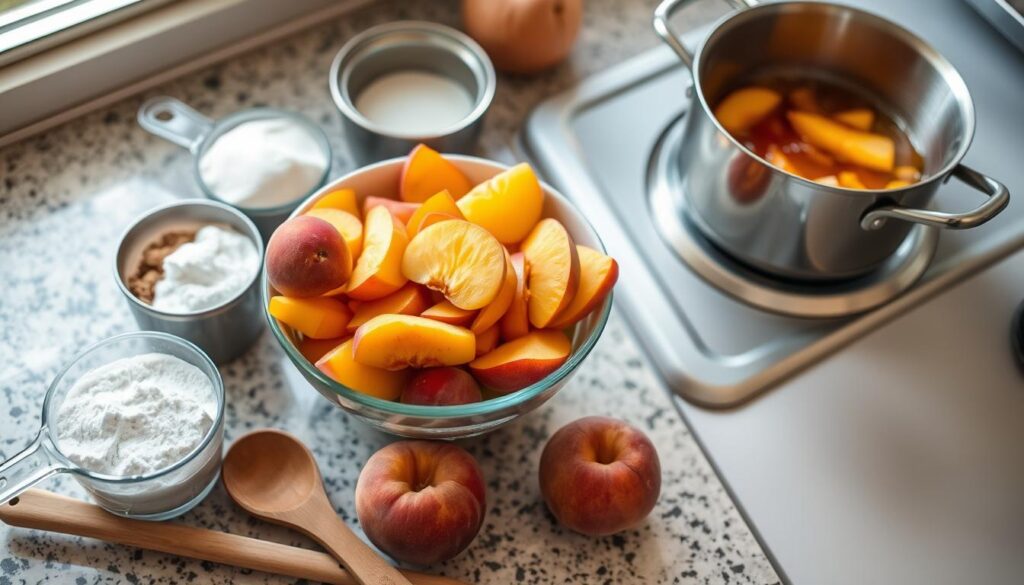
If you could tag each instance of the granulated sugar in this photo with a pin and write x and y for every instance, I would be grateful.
(136, 415)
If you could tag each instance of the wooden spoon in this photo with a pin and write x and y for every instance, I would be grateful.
(273, 476)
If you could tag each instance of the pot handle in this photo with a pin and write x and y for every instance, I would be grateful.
(998, 198)
(664, 12)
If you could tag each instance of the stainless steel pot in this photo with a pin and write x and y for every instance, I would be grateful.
(789, 226)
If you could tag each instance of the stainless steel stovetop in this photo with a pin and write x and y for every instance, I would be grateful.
(896, 460)
(598, 143)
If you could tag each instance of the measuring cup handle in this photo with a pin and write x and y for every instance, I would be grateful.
(34, 464)
(663, 27)
(175, 121)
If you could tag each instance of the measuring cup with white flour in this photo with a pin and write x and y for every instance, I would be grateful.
(263, 161)
(137, 419)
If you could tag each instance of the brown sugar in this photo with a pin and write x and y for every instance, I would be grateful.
(142, 283)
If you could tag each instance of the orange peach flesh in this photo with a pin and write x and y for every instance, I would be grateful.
(411, 299)
(873, 151)
(393, 342)
(516, 321)
(446, 312)
(488, 340)
(317, 317)
(341, 366)
(343, 199)
(440, 203)
(598, 274)
(378, 271)
(425, 172)
(459, 259)
(508, 205)
(314, 349)
(554, 271)
(746, 107)
(497, 308)
(521, 362)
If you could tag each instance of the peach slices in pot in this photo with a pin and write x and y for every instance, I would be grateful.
(470, 280)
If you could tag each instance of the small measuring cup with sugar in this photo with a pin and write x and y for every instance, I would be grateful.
(263, 161)
(158, 495)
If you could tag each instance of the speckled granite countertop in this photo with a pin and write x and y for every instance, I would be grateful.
(66, 195)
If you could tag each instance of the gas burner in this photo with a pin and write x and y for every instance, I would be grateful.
(669, 211)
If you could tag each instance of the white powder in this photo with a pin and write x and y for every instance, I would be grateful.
(209, 271)
(263, 163)
(136, 415)
(414, 102)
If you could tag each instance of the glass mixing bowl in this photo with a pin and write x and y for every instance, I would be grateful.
(446, 422)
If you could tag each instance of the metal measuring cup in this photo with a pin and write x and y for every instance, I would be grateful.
(176, 122)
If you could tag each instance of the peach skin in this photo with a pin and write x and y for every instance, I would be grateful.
(598, 274)
(393, 342)
(421, 502)
(307, 257)
(517, 364)
(317, 317)
(441, 387)
(600, 476)
(426, 172)
(446, 312)
(440, 203)
(508, 205)
(347, 224)
(460, 260)
(343, 199)
(378, 271)
(400, 209)
(340, 365)
(554, 271)
(516, 321)
(411, 299)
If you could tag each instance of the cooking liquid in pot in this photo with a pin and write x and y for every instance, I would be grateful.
(822, 132)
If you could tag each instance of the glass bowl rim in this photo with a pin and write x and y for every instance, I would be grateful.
(484, 407)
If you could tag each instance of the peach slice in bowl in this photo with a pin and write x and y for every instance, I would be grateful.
(381, 181)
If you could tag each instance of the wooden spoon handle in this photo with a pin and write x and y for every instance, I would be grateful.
(364, 564)
(45, 510)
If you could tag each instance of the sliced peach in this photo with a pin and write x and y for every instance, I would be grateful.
(873, 151)
(743, 108)
(348, 225)
(779, 159)
(460, 259)
(527, 360)
(426, 172)
(598, 274)
(897, 184)
(508, 205)
(314, 349)
(496, 309)
(850, 180)
(318, 317)
(857, 118)
(487, 341)
(830, 180)
(411, 299)
(340, 365)
(378, 271)
(554, 271)
(343, 199)
(393, 342)
(907, 173)
(400, 209)
(432, 218)
(442, 203)
(446, 312)
(516, 321)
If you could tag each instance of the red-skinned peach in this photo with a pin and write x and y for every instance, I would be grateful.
(307, 257)
(441, 387)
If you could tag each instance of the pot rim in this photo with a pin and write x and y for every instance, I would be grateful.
(947, 71)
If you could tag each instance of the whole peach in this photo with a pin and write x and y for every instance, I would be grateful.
(599, 475)
(421, 502)
(442, 386)
(307, 257)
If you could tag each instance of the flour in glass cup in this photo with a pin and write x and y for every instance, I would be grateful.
(136, 415)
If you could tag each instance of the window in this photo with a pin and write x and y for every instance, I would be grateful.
(29, 26)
